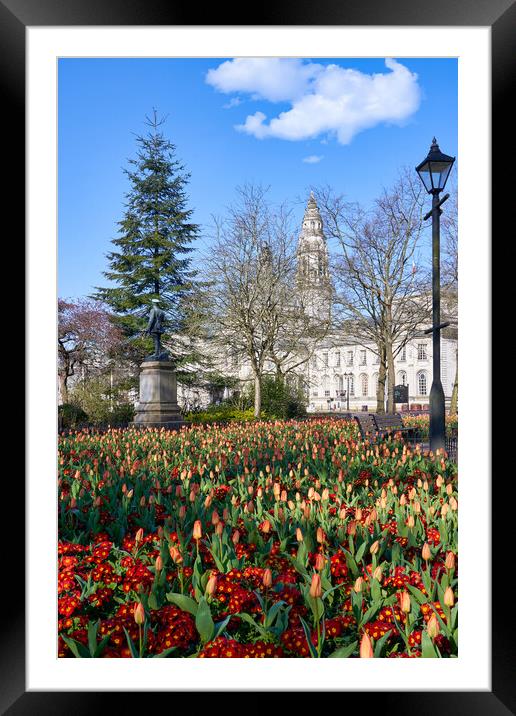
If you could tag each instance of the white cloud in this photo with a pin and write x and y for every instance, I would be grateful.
(313, 159)
(324, 99)
(271, 78)
(233, 102)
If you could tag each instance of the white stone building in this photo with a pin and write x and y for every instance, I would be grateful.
(338, 364)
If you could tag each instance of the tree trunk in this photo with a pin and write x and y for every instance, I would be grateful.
(390, 377)
(257, 395)
(380, 389)
(455, 392)
(63, 387)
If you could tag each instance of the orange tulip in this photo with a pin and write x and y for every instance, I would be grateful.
(433, 627)
(267, 578)
(197, 530)
(211, 585)
(426, 552)
(404, 601)
(319, 561)
(315, 587)
(139, 614)
(449, 598)
(366, 647)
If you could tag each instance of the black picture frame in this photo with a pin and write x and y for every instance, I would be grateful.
(15, 16)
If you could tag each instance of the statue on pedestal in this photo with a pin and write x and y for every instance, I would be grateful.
(155, 329)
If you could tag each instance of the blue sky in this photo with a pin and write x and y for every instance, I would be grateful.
(234, 122)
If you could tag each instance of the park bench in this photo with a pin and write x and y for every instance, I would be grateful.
(387, 424)
(366, 425)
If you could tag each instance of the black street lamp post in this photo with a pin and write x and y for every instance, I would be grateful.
(433, 172)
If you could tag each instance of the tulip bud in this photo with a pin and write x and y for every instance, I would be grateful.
(449, 599)
(139, 536)
(320, 535)
(175, 554)
(404, 601)
(211, 585)
(357, 587)
(352, 528)
(159, 563)
(450, 561)
(319, 561)
(215, 519)
(235, 537)
(219, 529)
(453, 503)
(373, 549)
(433, 627)
(378, 574)
(425, 552)
(366, 647)
(139, 614)
(267, 578)
(410, 521)
(299, 535)
(358, 514)
(266, 527)
(315, 587)
(197, 530)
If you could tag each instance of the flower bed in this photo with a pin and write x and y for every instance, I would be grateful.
(422, 423)
(264, 539)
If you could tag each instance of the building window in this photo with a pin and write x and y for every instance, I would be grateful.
(375, 383)
(363, 357)
(403, 354)
(364, 385)
(421, 383)
(421, 351)
(315, 393)
(337, 359)
(349, 359)
(325, 358)
(402, 378)
(314, 362)
(376, 360)
(326, 393)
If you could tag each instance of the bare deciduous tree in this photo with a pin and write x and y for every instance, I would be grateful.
(86, 336)
(382, 287)
(253, 303)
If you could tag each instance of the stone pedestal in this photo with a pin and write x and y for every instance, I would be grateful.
(158, 406)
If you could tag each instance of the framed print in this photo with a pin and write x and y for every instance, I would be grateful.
(264, 97)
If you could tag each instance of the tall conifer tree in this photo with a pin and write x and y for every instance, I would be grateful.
(155, 235)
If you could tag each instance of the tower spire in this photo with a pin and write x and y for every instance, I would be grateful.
(314, 284)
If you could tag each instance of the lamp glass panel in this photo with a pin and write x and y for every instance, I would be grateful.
(440, 171)
(424, 173)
